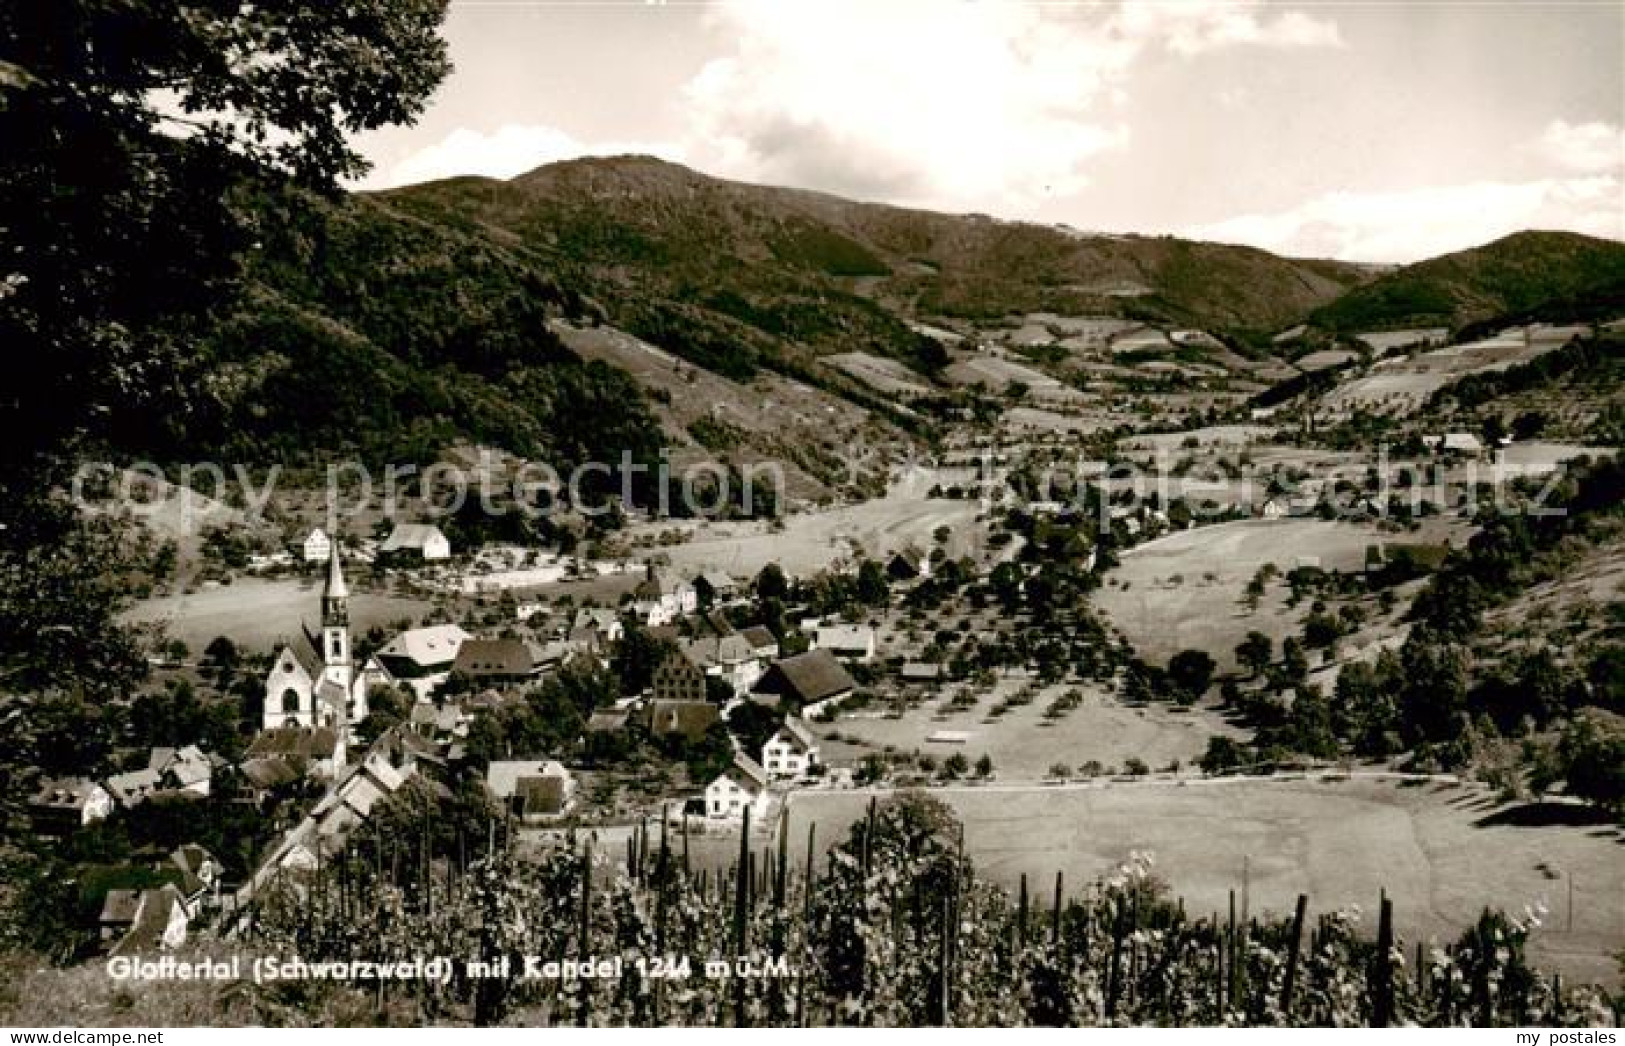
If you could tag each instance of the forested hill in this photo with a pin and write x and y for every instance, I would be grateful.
(1516, 274)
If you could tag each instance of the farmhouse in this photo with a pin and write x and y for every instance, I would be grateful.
(791, 752)
(422, 658)
(498, 660)
(423, 540)
(806, 679)
(532, 789)
(847, 642)
(740, 788)
(318, 546)
(689, 719)
(66, 803)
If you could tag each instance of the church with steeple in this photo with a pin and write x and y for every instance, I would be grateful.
(314, 682)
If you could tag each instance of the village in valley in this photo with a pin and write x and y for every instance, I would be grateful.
(1112, 626)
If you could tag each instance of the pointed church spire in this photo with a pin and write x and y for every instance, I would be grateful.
(336, 589)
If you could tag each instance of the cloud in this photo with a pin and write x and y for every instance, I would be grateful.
(1412, 224)
(510, 150)
(1194, 27)
(985, 106)
(1586, 147)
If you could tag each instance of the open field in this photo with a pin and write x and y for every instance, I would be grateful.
(885, 376)
(998, 373)
(1404, 383)
(812, 541)
(257, 614)
(1185, 590)
(1213, 436)
(1442, 851)
(1024, 745)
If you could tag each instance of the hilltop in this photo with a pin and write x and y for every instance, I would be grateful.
(1512, 275)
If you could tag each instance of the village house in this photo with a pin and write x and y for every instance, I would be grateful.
(921, 673)
(729, 658)
(763, 644)
(134, 787)
(688, 719)
(716, 589)
(604, 622)
(352, 799)
(791, 752)
(498, 660)
(847, 642)
(65, 804)
(422, 658)
(262, 776)
(185, 769)
(741, 787)
(532, 790)
(157, 920)
(311, 751)
(424, 541)
(660, 599)
(318, 547)
(813, 678)
(199, 876)
(432, 720)
(677, 678)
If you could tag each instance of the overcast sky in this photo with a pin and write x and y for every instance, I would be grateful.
(1374, 131)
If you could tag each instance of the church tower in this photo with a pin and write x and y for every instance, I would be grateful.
(336, 626)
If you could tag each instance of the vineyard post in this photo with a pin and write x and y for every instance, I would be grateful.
(1021, 914)
(1292, 955)
(1055, 918)
(1383, 989)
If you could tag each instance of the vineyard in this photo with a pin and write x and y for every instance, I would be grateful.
(892, 928)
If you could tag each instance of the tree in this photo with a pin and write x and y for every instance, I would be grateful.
(1190, 671)
(139, 138)
(984, 766)
(771, 583)
(873, 586)
(1592, 755)
(1255, 652)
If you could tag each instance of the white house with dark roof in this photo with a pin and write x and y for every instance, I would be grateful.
(532, 789)
(742, 786)
(425, 540)
(791, 752)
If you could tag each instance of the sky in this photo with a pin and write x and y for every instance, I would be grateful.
(1376, 131)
